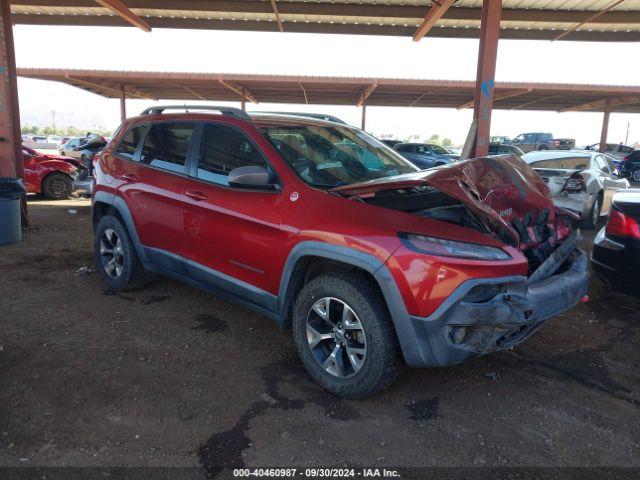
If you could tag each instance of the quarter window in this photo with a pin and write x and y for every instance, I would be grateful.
(166, 146)
(224, 148)
(127, 146)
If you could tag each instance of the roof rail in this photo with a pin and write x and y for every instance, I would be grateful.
(231, 111)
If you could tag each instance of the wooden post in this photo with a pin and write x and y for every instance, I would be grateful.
(10, 140)
(605, 125)
(487, 55)
(123, 105)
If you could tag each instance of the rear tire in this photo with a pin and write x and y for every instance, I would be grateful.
(591, 220)
(116, 256)
(368, 350)
(57, 186)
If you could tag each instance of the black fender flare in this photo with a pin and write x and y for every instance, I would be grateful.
(380, 273)
(121, 207)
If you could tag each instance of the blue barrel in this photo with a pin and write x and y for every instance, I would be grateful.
(12, 192)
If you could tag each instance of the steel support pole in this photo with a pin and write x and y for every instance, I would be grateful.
(10, 141)
(123, 104)
(243, 102)
(363, 122)
(605, 125)
(487, 55)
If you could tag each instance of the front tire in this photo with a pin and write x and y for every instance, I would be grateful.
(116, 256)
(57, 186)
(635, 175)
(344, 335)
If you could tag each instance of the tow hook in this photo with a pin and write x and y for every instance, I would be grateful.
(584, 299)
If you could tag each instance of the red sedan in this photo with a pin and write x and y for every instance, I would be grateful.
(50, 175)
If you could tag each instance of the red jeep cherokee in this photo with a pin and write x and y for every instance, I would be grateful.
(324, 229)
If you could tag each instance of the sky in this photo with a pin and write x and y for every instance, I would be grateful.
(112, 48)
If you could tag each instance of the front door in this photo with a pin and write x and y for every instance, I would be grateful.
(233, 235)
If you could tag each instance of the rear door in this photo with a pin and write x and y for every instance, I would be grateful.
(151, 174)
(233, 234)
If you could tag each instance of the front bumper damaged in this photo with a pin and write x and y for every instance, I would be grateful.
(488, 315)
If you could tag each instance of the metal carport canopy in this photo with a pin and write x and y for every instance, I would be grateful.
(600, 20)
(341, 90)
(487, 20)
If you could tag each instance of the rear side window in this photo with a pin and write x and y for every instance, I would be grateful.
(567, 163)
(224, 148)
(166, 145)
(127, 146)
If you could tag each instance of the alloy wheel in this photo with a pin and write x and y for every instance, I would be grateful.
(636, 175)
(111, 253)
(336, 337)
(58, 186)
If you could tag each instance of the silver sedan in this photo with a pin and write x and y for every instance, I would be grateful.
(582, 181)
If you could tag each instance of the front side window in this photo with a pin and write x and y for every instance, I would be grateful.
(166, 145)
(566, 163)
(328, 156)
(127, 146)
(224, 148)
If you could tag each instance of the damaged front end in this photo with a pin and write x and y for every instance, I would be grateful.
(505, 199)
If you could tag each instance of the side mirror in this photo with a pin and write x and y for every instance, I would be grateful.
(251, 177)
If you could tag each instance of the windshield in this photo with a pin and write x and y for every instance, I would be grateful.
(439, 150)
(328, 156)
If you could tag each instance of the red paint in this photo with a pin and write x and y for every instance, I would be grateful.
(249, 234)
(38, 165)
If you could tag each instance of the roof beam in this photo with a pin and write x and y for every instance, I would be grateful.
(600, 104)
(120, 9)
(134, 92)
(526, 104)
(243, 92)
(589, 19)
(499, 96)
(191, 91)
(435, 13)
(274, 7)
(365, 94)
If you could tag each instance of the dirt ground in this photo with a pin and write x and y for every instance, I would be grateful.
(172, 376)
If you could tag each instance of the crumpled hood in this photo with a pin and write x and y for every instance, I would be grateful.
(502, 191)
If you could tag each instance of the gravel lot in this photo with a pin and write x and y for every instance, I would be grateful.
(172, 376)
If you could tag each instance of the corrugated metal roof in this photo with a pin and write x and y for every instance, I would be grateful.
(341, 90)
(528, 19)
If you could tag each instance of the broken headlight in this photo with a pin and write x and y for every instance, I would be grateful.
(451, 248)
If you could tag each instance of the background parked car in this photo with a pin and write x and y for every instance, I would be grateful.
(424, 155)
(616, 150)
(580, 181)
(67, 148)
(50, 175)
(629, 166)
(529, 142)
(454, 151)
(504, 149)
(616, 250)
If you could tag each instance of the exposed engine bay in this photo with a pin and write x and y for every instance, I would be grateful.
(502, 197)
